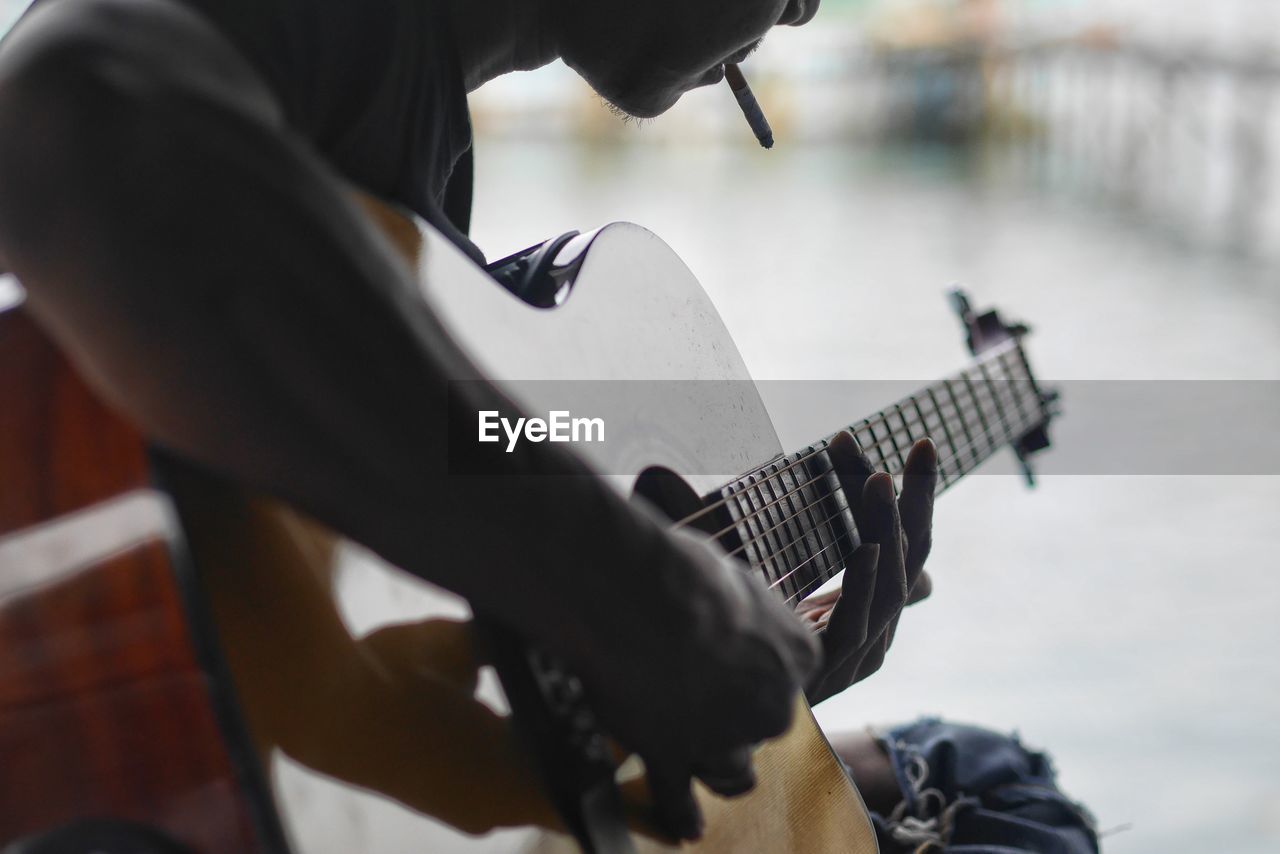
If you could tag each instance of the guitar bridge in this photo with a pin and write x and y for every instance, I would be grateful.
(552, 716)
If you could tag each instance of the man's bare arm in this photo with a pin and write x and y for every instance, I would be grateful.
(221, 287)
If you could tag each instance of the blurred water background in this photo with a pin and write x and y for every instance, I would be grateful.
(1104, 169)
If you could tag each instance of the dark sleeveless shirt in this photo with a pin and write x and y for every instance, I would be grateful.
(375, 86)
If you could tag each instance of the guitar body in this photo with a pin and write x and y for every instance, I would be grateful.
(634, 313)
(366, 709)
(117, 721)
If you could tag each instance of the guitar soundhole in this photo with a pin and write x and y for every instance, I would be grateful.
(674, 497)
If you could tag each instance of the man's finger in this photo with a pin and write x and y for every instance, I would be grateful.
(852, 469)
(846, 632)
(849, 624)
(675, 811)
(884, 527)
(731, 774)
(915, 506)
(816, 619)
(817, 608)
(922, 590)
(874, 659)
(841, 677)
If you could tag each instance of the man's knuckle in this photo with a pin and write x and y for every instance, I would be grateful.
(776, 716)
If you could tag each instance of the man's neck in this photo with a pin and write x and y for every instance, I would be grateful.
(498, 36)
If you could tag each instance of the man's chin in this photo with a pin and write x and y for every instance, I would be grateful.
(640, 107)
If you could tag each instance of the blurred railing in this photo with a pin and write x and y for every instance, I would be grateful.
(1189, 138)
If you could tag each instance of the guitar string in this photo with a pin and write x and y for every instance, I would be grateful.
(772, 554)
(818, 581)
(800, 595)
(986, 439)
(986, 442)
(765, 507)
(963, 408)
(882, 418)
(803, 593)
(878, 448)
(794, 544)
(793, 517)
(796, 541)
(989, 442)
(816, 555)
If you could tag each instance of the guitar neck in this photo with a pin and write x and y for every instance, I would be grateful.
(790, 519)
(970, 416)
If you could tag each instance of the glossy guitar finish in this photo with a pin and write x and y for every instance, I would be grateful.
(110, 706)
(634, 312)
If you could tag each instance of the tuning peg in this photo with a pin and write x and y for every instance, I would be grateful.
(1036, 439)
(986, 330)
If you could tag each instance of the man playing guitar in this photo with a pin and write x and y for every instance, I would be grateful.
(180, 181)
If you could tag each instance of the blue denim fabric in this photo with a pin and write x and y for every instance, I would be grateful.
(968, 790)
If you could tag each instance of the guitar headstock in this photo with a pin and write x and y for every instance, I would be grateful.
(987, 330)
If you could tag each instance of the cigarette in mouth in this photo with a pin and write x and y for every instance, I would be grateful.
(750, 106)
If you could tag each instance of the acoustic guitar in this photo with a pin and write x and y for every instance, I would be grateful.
(187, 666)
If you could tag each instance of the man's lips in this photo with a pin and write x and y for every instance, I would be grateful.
(711, 78)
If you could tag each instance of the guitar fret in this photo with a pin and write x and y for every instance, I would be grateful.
(1013, 395)
(920, 419)
(977, 410)
(1003, 397)
(795, 532)
(994, 394)
(964, 423)
(863, 435)
(878, 432)
(827, 563)
(788, 482)
(764, 561)
(754, 524)
(808, 533)
(1041, 407)
(783, 535)
(890, 451)
(811, 529)
(906, 425)
(944, 471)
(926, 427)
(1020, 390)
(789, 523)
(1017, 395)
(971, 417)
(1013, 369)
(841, 521)
(988, 412)
(769, 539)
(908, 438)
(969, 458)
(772, 535)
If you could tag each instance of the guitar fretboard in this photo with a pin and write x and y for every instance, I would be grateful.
(790, 521)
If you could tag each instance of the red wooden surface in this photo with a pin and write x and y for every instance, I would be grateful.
(60, 449)
(105, 710)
